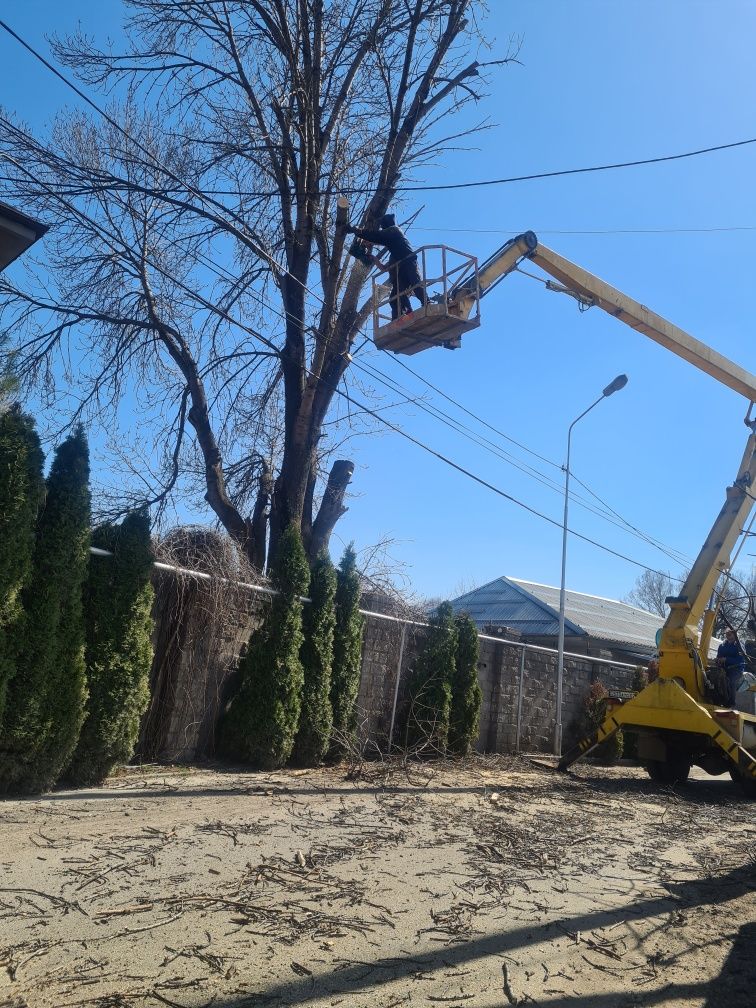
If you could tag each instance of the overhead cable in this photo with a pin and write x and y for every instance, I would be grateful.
(337, 391)
(201, 195)
(442, 187)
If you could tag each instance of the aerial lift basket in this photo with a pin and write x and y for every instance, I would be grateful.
(443, 319)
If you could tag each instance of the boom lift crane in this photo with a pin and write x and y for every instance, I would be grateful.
(677, 717)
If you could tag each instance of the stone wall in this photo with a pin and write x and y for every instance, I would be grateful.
(196, 656)
(199, 635)
(382, 648)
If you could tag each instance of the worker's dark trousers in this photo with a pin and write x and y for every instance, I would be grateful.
(405, 277)
(732, 678)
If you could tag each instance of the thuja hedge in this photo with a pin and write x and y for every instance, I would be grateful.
(466, 694)
(442, 713)
(260, 723)
(319, 620)
(22, 489)
(118, 604)
(347, 650)
(429, 708)
(45, 698)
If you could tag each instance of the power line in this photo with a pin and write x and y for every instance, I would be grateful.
(445, 418)
(636, 531)
(675, 555)
(469, 413)
(81, 94)
(458, 427)
(590, 231)
(497, 490)
(534, 176)
(437, 414)
(275, 265)
(200, 195)
(534, 473)
(361, 190)
(337, 391)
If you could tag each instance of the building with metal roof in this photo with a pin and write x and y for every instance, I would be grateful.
(593, 625)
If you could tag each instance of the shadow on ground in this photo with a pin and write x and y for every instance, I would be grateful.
(735, 987)
(711, 791)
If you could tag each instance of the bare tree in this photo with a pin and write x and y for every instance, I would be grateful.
(197, 272)
(650, 592)
(734, 595)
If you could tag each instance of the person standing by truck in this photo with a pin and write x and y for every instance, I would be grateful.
(731, 658)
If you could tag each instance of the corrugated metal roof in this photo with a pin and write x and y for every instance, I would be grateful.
(504, 603)
(533, 609)
(601, 617)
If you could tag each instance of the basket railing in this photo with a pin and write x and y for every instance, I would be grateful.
(440, 268)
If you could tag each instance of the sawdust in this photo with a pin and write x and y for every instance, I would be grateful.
(493, 883)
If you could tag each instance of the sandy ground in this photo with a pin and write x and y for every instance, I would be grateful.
(496, 884)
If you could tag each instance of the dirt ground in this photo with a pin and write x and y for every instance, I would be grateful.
(500, 883)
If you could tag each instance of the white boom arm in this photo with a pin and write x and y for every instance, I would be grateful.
(681, 627)
(590, 290)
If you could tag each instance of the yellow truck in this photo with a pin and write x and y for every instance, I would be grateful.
(679, 718)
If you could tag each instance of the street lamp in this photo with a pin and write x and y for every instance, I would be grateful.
(619, 382)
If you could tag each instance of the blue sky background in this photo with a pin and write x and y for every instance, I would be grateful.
(599, 82)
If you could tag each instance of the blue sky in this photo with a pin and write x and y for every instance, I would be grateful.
(599, 82)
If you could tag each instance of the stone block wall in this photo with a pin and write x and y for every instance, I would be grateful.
(382, 648)
(196, 657)
(199, 636)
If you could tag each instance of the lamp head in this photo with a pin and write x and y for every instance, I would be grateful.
(619, 382)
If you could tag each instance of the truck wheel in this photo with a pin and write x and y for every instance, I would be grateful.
(671, 771)
(747, 784)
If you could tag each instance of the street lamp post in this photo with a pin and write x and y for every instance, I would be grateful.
(619, 382)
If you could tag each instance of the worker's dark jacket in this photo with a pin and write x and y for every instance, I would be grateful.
(391, 238)
(734, 658)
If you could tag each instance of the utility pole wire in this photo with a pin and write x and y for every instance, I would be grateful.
(558, 173)
(89, 101)
(258, 335)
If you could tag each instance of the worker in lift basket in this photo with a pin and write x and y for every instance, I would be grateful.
(731, 658)
(402, 263)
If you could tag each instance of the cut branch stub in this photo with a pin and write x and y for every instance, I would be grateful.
(331, 507)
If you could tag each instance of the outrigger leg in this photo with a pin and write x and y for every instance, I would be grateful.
(608, 727)
(664, 706)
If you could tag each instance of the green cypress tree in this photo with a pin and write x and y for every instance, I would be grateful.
(22, 489)
(8, 381)
(588, 720)
(466, 694)
(260, 723)
(319, 621)
(430, 689)
(118, 607)
(45, 701)
(347, 647)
